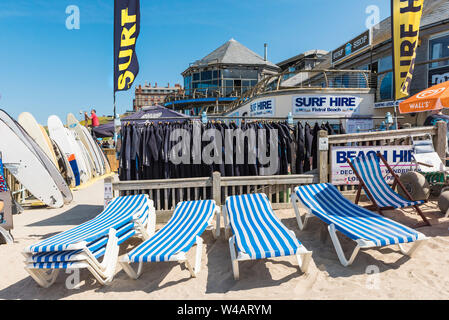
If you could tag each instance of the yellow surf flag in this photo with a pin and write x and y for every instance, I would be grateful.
(406, 19)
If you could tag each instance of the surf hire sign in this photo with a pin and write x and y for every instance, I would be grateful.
(126, 32)
(406, 19)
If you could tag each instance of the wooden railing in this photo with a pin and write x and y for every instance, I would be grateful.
(167, 193)
(382, 138)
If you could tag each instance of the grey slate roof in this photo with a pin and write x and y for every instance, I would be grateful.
(233, 52)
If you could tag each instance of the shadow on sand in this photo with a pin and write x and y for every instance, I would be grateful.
(74, 216)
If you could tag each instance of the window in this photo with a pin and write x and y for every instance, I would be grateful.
(439, 48)
(385, 81)
(196, 77)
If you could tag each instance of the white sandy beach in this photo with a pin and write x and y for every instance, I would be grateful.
(424, 276)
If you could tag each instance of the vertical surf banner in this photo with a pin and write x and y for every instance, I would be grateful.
(405, 22)
(126, 32)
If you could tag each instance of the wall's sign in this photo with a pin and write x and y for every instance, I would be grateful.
(323, 105)
(356, 44)
(437, 76)
(262, 107)
(398, 157)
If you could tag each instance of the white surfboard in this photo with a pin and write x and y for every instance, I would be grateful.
(81, 150)
(66, 143)
(99, 151)
(64, 164)
(26, 167)
(40, 154)
(73, 124)
(29, 123)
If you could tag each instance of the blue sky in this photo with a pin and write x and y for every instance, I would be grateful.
(47, 69)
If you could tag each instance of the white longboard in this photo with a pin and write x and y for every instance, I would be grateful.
(26, 167)
(81, 150)
(64, 164)
(29, 123)
(40, 154)
(73, 124)
(65, 142)
(100, 152)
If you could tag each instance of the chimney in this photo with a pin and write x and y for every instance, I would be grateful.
(266, 51)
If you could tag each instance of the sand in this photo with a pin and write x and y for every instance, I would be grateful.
(375, 274)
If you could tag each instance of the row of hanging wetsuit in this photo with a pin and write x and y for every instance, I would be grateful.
(147, 150)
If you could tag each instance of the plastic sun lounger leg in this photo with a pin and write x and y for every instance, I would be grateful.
(338, 248)
(43, 278)
(303, 256)
(126, 265)
(410, 252)
(296, 202)
(235, 263)
(6, 235)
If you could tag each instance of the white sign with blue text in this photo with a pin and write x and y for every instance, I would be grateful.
(325, 105)
(398, 157)
(262, 107)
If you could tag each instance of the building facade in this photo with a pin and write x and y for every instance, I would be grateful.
(221, 77)
(148, 95)
(372, 51)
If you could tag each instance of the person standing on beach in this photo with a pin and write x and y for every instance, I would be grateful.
(93, 117)
(435, 116)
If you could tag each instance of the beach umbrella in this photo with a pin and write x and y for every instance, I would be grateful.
(434, 98)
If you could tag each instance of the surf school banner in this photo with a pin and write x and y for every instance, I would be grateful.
(398, 157)
(406, 20)
(126, 32)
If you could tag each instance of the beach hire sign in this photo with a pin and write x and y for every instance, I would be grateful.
(400, 159)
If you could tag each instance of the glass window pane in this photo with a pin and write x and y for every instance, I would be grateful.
(196, 77)
(439, 48)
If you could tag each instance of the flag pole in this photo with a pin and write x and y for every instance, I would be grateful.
(114, 117)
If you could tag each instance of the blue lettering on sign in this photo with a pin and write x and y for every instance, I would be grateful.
(262, 106)
(310, 101)
(343, 156)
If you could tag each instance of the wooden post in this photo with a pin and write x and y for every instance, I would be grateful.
(323, 156)
(216, 187)
(441, 139)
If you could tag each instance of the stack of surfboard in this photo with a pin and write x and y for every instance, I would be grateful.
(47, 166)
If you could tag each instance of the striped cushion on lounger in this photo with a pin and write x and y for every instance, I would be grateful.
(64, 259)
(97, 248)
(119, 212)
(189, 220)
(258, 232)
(370, 172)
(328, 204)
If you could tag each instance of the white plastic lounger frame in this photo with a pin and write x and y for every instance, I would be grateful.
(190, 219)
(364, 227)
(142, 226)
(258, 233)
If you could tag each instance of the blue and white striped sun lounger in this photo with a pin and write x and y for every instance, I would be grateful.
(368, 171)
(368, 168)
(365, 227)
(82, 246)
(190, 219)
(258, 233)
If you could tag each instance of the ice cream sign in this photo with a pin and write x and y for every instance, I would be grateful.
(325, 105)
(262, 107)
